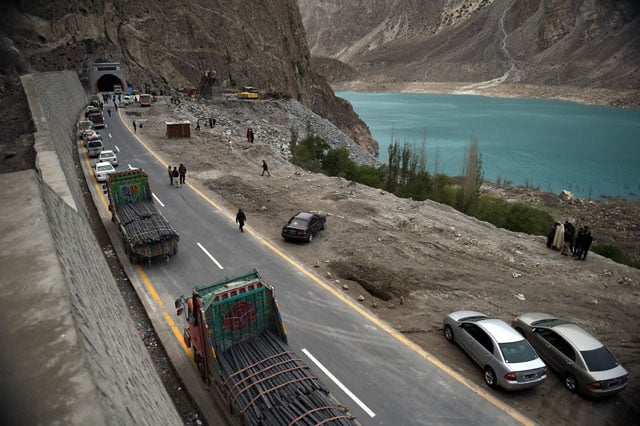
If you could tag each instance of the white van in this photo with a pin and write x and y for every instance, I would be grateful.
(94, 147)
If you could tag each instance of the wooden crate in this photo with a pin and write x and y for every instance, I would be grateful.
(178, 129)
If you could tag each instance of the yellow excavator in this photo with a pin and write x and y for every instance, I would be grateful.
(248, 92)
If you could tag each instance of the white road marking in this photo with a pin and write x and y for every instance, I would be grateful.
(340, 385)
(210, 256)
(110, 135)
(116, 148)
(154, 196)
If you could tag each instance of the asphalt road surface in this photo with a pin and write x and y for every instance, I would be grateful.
(380, 375)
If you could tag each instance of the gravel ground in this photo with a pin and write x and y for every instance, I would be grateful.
(410, 262)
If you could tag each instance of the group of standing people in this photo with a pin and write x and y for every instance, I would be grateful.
(177, 175)
(563, 237)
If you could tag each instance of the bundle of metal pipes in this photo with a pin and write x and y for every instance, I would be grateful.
(144, 224)
(271, 386)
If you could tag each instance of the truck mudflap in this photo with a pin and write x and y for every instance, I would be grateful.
(269, 384)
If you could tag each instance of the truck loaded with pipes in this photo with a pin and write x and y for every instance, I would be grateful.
(240, 348)
(146, 233)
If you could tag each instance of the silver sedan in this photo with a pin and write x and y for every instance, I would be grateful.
(506, 359)
(584, 364)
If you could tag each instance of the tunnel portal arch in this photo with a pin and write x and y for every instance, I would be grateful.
(105, 75)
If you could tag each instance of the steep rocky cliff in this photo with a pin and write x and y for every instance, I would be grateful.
(169, 44)
(552, 42)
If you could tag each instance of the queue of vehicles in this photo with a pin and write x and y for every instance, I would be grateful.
(242, 309)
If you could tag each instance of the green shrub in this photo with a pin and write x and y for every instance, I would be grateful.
(374, 177)
(523, 218)
(337, 163)
(309, 153)
(516, 217)
(616, 254)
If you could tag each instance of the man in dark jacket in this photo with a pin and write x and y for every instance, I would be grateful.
(183, 173)
(176, 175)
(587, 239)
(241, 219)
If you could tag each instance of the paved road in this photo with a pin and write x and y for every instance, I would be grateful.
(382, 377)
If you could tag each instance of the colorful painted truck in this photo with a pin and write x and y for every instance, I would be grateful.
(240, 348)
(146, 233)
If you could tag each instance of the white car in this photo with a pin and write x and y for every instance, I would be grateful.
(507, 360)
(128, 99)
(108, 155)
(102, 170)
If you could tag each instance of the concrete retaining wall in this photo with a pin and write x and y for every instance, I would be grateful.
(70, 351)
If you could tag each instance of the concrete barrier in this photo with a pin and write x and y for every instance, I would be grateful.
(70, 351)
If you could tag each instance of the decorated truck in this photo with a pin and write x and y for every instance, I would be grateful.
(240, 348)
(146, 233)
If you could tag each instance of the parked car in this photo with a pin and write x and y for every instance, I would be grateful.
(303, 226)
(90, 135)
(128, 99)
(108, 155)
(102, 170)
(94, 147)
(585, 365)
(82, 126)
(505, 357)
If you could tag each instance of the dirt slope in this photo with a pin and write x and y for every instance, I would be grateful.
(414, 262)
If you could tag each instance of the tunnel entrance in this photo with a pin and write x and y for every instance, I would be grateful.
(105, 75)
(106, 83)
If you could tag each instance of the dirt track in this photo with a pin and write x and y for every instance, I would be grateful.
(414, 262)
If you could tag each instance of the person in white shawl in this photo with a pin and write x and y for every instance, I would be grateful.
(558, 239)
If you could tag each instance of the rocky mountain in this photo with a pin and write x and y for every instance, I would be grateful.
(582, 43)
(170, 44)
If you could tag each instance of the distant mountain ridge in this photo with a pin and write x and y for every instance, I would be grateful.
(548, 42)
(170, 44)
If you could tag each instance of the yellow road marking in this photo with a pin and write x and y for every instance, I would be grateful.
(149, 286)
(398, 336)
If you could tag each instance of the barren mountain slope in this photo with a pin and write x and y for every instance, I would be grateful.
(170, 44)
(554, 42)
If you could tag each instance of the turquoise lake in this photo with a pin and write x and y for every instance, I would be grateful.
(592, 151)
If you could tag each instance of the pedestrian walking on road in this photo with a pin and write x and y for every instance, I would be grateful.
(170, 176)
(109, 111)
(116, 105)
(134, 126)
(176, 176)
(230, 143)
(265, 168)
(241, 219)
(198, 125)
(250, 135)
(183, 173)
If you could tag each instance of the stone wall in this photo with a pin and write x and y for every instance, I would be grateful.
(62, 99)
(71, 353)
(129, 389)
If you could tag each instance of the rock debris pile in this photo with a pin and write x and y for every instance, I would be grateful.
(272, 123)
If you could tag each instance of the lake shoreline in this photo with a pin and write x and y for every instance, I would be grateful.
(627, 99)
